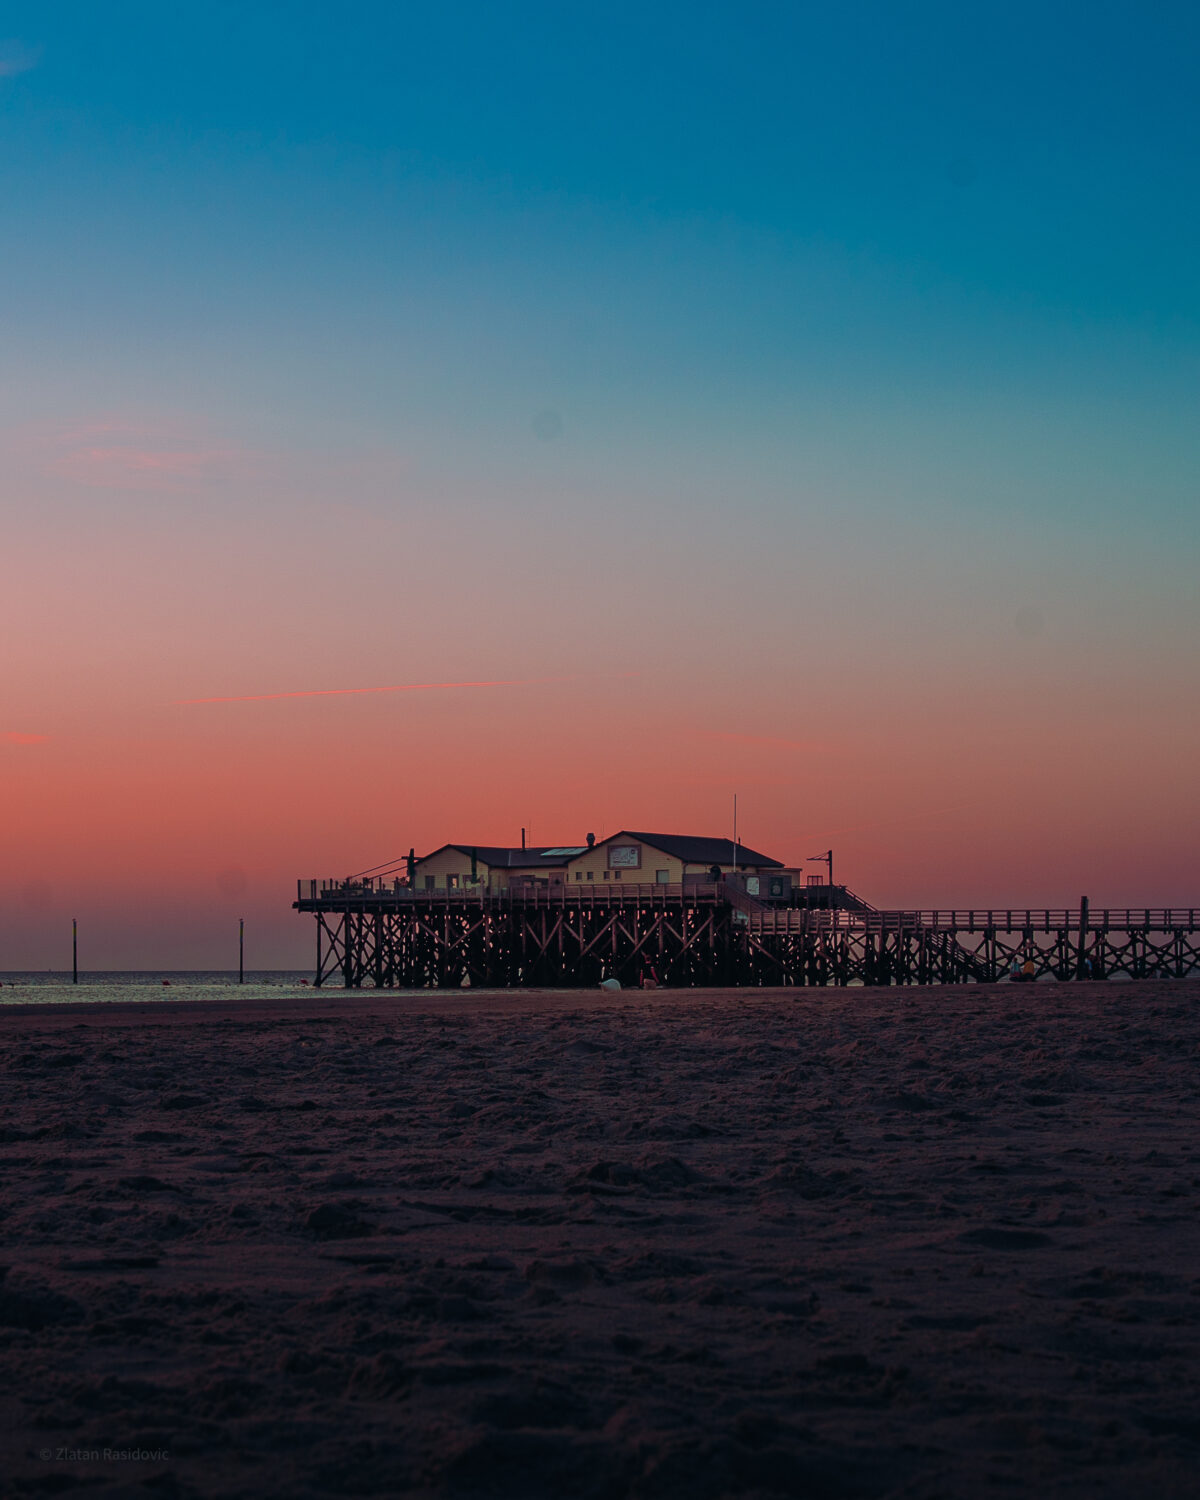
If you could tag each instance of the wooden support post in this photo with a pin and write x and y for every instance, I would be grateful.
(348, 947)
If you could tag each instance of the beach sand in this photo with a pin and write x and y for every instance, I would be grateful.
(921, 1242)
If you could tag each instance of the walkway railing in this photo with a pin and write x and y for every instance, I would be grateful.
(762, 916)
(358, 892)
(1030, 919)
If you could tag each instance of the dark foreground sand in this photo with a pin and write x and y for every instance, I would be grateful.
(905, 1243)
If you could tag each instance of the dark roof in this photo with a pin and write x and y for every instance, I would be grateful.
(698, 851)
(544, 857)
(694, 851)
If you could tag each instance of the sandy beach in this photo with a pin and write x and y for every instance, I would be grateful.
(921, 1243)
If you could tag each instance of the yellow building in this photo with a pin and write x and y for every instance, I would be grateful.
(665, 859)
(624, 858)
(491, 868)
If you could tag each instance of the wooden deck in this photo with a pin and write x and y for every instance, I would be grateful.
(712, 933)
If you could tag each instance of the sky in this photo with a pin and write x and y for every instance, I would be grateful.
(660, 403)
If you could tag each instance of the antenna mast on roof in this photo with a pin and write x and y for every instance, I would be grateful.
(735, 858)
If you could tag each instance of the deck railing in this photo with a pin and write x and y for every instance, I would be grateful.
(354, 892)
(763, 916)
(1029, 919)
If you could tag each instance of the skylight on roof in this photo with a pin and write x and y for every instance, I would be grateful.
(576, 849)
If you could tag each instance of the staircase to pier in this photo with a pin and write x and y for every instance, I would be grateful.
(765, 919)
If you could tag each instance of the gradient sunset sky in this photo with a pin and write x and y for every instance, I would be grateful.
(791, 400)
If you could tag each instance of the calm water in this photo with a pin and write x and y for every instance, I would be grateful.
(47, 988)
(147, 985)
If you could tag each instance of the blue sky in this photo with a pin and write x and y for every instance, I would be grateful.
(1024, 161)
(933, 255)
(701, 214)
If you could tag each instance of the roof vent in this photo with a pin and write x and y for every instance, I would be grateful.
(591, 838)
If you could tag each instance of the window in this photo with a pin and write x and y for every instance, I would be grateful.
(579, 874)
(616, 874)
(662, 876)
(430, 882)
(591, 874)
(452, 882)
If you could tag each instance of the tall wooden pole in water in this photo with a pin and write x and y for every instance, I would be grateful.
(241, 950)
(74, 951)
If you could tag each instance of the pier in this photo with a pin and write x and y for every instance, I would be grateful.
(386, 935)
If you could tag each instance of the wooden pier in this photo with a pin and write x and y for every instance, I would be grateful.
(711, 934)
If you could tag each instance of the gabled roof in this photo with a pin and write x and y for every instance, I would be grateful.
(690, 849)
(497, 857)
(699, 851)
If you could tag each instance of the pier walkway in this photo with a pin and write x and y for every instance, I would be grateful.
(706, 933)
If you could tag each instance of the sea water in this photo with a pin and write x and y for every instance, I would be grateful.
(51, 988)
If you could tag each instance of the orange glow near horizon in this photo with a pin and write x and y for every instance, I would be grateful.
(160, 832)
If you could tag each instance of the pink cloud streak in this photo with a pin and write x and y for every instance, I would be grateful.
(125, 465)
(401, 687)
(111, 451)
(18, 737)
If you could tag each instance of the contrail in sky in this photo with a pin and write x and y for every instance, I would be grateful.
(399, 687)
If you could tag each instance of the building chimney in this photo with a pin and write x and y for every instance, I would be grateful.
(591, 840)
(522, 838)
